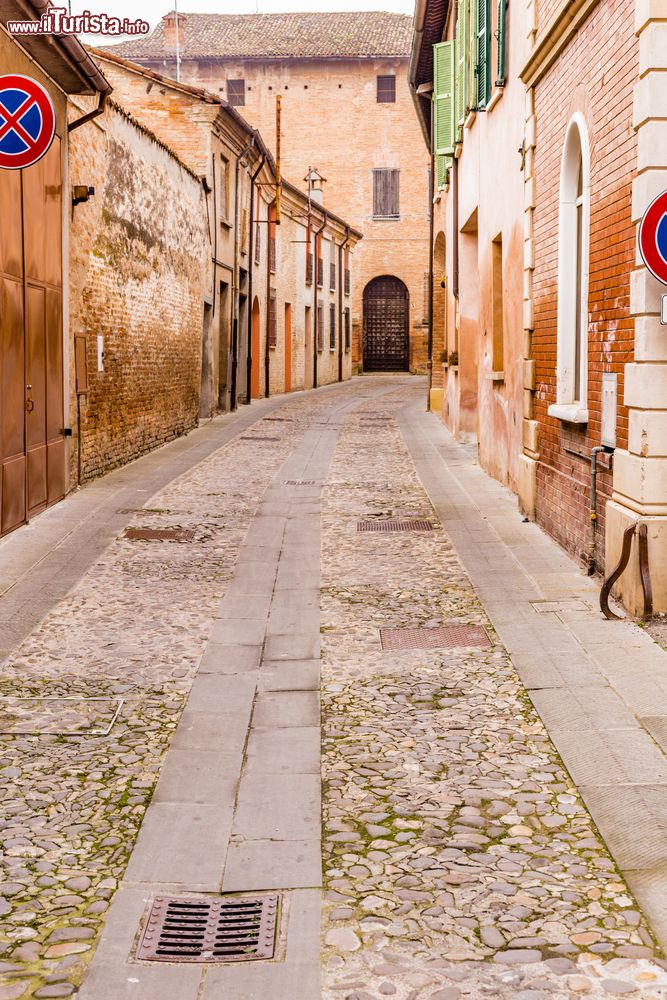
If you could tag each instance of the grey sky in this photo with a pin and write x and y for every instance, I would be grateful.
(152, 10)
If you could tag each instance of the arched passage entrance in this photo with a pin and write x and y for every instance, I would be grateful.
(254, 381)
(386, 325)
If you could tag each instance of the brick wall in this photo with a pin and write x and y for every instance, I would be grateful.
(137, 272)
(603, 60)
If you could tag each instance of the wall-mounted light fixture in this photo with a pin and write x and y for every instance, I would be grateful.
(80, 193)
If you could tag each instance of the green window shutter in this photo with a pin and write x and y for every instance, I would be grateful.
(483, 45)
(442, 167)
(502, 43)
(443, 96)
(461, 76)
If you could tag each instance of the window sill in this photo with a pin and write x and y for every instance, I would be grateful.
(468, 123)
(569, 413)
(495, 97)
(495, 376)
(386, 218)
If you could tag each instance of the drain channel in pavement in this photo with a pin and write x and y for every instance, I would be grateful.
(393, 525)
(203, 929)
(159, 534)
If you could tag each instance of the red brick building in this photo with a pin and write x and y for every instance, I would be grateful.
(346, 111)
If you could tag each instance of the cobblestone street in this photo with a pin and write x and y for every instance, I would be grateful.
(443, 833)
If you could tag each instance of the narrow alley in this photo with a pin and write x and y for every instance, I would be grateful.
(300, 654)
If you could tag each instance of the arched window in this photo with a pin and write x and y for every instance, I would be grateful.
(573, 256)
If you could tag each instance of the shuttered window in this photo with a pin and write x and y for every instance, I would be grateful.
(442, 167)
(332, 327)
(236, 93)
(258, 243)
(482, 52)
(386, 90)
(320, 327)
(443, 97)
(502, 43)
(462, 44)
(386, 194)
(346, 317)
(273, 319)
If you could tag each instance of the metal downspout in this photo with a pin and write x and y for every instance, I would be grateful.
(251, 252)
(593, 508)
(431, 224)
(316, 272)
(236, 282)
(99, 110)
(341, 282)
(267, 347)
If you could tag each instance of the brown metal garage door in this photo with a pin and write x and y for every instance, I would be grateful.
(32, 443)
(386, 319)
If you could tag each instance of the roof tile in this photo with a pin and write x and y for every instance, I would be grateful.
(281, 36)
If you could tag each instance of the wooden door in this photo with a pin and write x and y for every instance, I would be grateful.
(255, 351)
(31, 382)
(308, 350)
(288, 347)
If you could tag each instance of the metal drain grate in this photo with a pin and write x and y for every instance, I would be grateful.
(300, 482)
(197, 929)
(159, 534)
(443, 637)
(394, 525)
(258, 437)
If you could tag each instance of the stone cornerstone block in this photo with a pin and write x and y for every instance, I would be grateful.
(646, 386)
(640, 483)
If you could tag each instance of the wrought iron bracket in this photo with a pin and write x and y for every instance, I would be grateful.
(626, 551)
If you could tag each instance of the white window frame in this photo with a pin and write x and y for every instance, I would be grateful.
(571, 399)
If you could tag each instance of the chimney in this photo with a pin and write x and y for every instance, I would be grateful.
(315, 183)
(173, 23)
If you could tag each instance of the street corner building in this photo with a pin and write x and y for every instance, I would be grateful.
(155, 269)
(347, 115)
(548, 146)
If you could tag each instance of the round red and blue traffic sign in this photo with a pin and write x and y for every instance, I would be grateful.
(27, 121)
(653, 238)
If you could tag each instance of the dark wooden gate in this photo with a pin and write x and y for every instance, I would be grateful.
(386, 325)
(32, 443)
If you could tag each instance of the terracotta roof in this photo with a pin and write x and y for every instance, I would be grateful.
(358, 34)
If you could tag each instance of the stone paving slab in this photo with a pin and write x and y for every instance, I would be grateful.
(295, 750)
(183, 843)
(287, 708)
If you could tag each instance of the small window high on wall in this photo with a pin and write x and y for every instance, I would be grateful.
(236, 93)
(573, 263)
(386, 90)
(386, 194)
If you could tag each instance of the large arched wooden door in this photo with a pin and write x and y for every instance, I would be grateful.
(386, 325)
